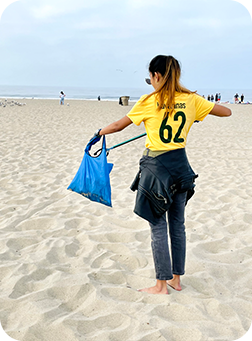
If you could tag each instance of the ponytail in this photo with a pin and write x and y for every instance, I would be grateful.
(170, 70)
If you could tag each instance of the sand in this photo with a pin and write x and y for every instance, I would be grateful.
(70, 268)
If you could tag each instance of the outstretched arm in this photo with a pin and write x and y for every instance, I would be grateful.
(116, 126)
(221, 111)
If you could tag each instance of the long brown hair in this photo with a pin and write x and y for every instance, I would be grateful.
(170, 70)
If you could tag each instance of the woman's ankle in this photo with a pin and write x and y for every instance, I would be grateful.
(175, 283)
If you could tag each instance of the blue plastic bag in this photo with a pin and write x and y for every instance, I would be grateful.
(92, 178)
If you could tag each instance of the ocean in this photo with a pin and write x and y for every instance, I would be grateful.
(112, 94)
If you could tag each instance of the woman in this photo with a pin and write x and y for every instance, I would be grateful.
(166, 181)
(62, 96)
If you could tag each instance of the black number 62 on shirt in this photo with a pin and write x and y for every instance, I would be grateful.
(164, 126)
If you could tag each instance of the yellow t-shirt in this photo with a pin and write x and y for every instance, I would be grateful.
(170, 132)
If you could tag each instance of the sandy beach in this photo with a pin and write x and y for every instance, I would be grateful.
(70, 268)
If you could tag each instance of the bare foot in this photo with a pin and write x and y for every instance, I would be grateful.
(175, 283)
(159, 288)
(154, 290)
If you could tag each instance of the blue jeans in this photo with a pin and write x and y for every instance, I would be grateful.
(159, 240)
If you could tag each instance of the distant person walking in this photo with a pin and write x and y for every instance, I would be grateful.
(242, 98)
(208, 97)
(219, 97)
(99, 98)
(212, 98)
(236, 96)
(62, 97)
(216, 97)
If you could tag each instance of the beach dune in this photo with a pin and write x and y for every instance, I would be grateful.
(70, 268)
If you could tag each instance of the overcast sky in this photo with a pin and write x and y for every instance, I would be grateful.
(110, 42)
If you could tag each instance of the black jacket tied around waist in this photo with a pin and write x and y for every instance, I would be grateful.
(158, 179)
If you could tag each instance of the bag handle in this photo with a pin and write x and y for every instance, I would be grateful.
(93, 141)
